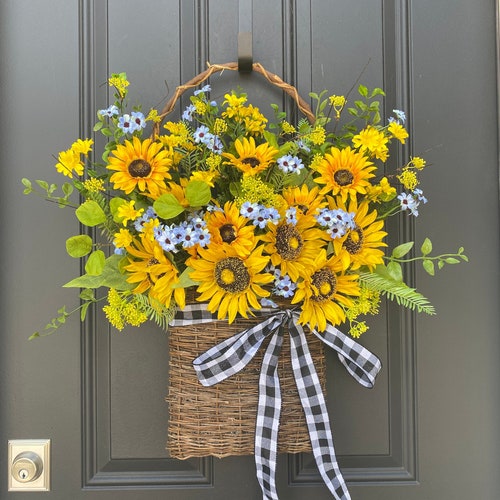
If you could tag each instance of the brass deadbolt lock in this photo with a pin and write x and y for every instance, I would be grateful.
(27, 467)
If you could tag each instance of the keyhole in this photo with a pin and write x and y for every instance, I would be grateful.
(23, 474)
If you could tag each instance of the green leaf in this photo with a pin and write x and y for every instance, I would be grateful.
(79, 246)
(98, 126)
(402, 250)
(27, 184)
(95, 263)
(429, 266)
(43, 184)
(67, 189)
(85, 281)
(184, 280)
(112, 275)
(395, 271)
(167, 206)
(426, 247)
(451, 260)
(271, 139)
(363, 90)
(198, 193)
(90, 213)
(87, 294)
(114, 205)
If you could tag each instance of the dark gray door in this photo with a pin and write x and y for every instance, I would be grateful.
(429, 429)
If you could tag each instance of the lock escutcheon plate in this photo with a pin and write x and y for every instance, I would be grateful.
(29, 465)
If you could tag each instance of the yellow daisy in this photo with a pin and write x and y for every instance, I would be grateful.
(345, 172)
(251, 159)
(364, 242)
(293, 246)
(152, 271)
(142, 165)
(325, 292)
(230, 227)
(230, 283)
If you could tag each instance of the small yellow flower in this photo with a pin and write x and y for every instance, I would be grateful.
(213, 161)
(418, 163)
(200, 106)
(220, 126)
(337, 102)
(317, 136)
(123, 238)
(93, 185)
(127, 212)
(234, 100)
(82, 147)
(205, 176)
(372, 140)
(398, 132)
(381, 192)
(153, 116)
(287, 128)
(408, 178)
(120, 83)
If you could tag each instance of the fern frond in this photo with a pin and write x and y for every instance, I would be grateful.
(398, 291)
(156, 311)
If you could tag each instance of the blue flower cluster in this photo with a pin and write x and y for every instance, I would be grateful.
(290, 164)
(283, 285)
(260, 215)
(411, 201)
(337, 221)
(211, 141)
(128, 123)
(189, 233)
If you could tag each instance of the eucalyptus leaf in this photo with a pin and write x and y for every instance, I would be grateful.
(79, 246)
(167, 206)
(402, 250)
(90, 213)
(198, 193)
(95, 263)
(429, 266)
(395, 271)
(426, 247)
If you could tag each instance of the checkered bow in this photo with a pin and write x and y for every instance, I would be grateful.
(233, 354)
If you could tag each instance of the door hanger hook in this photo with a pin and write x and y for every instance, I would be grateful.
(245, 56)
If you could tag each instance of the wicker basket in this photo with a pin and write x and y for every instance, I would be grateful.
(220, 420)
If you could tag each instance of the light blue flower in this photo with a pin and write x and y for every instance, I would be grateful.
(290, 164)
(139, 119)
(408, 202)
(291, 216)
(400, 116)
(188, 113)
(200, 134)
(284, 286)
(204, 90)
(109, 112)
(420, 195)
(249, 210)
(214, 144)
(127, 124)
(268, 303)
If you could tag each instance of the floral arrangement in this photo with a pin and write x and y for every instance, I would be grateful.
(242, 212)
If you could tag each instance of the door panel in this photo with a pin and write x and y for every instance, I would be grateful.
(99, 394)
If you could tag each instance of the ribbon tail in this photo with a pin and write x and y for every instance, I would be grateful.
(314, 404)
(268, 416)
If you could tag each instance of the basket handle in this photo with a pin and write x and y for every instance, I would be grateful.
(233, 66)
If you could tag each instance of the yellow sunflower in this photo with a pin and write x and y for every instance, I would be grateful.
(345, 172)
(251, 159)
(293, 246)
(142, 165)
(230, 283)
(230, 227)
(364, 242)
(305, 199)
(325, 292)
(151, 270)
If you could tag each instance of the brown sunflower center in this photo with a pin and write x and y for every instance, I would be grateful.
(354, 241)
(227, 233)
(252, 161)
(232, 275)
(325, 282)
(289, 243)
(343, 177)
(139, 168)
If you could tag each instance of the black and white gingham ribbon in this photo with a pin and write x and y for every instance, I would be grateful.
(232, 355)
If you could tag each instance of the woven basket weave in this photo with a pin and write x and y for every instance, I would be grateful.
(220, 420)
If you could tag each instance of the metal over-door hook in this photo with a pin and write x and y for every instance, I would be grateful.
(245, 55)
